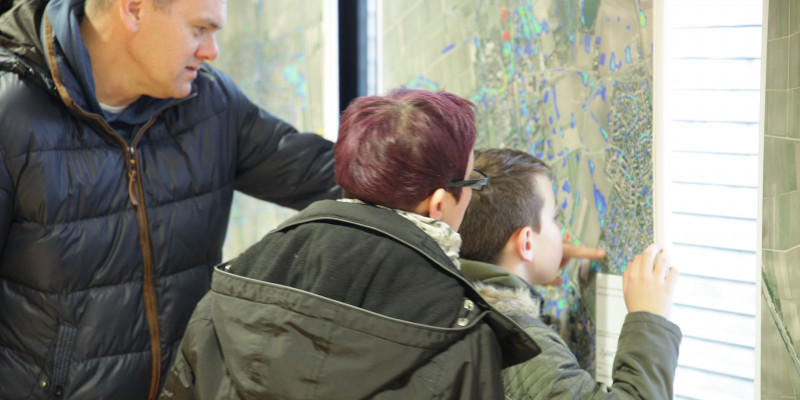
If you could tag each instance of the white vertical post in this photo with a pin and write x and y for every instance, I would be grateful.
(760, 198)
(330, 81)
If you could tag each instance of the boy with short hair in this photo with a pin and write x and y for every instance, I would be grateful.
(512, 239)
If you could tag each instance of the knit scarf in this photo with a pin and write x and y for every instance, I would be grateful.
(448, 239)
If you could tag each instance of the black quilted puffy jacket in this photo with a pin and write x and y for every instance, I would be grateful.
(107, 245)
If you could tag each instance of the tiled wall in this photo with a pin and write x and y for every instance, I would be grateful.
(274, 51)
(780, 322)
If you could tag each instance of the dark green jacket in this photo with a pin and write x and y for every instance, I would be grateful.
(253, 339)
(644, 366)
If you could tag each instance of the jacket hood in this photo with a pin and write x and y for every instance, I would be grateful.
(505, 291)
(19, 36)
(74, 65)
(514, 302)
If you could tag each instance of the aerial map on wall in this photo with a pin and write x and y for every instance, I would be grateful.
(569, 81)
(273, 50)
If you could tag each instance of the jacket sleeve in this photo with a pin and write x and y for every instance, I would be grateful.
(278, 164)
(644, 366)
(647, 356)
(6, 200)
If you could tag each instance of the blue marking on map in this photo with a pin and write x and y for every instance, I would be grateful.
(555, 102)
(529, 51)
(600, 203)
(601, 91)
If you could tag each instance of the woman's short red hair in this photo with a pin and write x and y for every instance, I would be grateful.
(396, 150)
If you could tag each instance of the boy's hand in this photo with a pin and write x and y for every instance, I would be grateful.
(648, 283)
(572, 250)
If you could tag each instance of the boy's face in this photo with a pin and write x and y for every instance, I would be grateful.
(547, 243)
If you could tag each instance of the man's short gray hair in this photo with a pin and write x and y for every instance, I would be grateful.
(100, 6)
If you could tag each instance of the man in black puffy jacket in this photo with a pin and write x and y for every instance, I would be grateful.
(120, 149)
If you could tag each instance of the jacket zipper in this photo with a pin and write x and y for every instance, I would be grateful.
(132, 176)
(135, 193)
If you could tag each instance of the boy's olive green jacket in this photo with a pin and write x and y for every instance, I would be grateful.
(644, 366)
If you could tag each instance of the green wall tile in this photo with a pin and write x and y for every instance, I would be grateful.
(787, 221)
(777, 63)
(794, 16)
(777, 370)
(794, 113)
(780, 166)
(770, 227)
(776, 113)
(791, 262)
(779, 25)
(794, 61)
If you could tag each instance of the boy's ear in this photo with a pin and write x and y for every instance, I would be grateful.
(524, 243)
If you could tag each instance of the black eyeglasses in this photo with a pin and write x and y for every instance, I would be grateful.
(476, 182)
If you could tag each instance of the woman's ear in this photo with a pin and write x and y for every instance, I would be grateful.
(433, 206)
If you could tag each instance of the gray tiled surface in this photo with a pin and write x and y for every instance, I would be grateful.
(786, 217)
(779, 24)
(777, 64)
(794, 113)
(776, 113)
(794, 16)
(794, 61)
(780, 166)
(779, 378)
(769, 229)
(780, 374)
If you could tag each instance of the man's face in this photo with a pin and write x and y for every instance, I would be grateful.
(173, 42)
(547, 243)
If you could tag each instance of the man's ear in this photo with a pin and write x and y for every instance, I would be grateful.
(523, 245)
(131, 13)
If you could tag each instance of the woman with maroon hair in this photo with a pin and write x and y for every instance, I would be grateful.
(361, 297)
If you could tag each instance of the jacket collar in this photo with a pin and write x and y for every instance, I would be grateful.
(494, 275)
(491, 274)
(382, 220)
